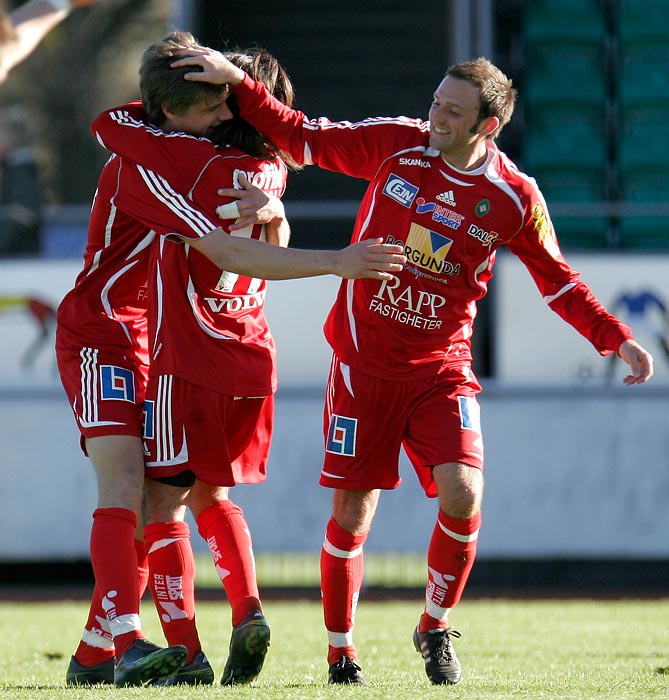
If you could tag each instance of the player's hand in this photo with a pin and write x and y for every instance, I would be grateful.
(640, 361)
(250, 205)
(372, 259)
(216, 68)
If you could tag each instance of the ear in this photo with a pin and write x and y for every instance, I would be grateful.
(488, 125)
(168, 115)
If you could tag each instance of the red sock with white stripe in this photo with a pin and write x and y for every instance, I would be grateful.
(342, 569)
(114, 562)
(96, 645)
(172, 582)
(450, 558)
(224, 529)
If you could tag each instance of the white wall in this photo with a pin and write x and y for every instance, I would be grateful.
(581, 471)
(579, 474)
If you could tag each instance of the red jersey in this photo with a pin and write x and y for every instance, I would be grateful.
(107, 306)
(206, 326)
(451, 224)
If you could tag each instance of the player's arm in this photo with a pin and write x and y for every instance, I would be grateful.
(245, 256)
(30, 23)
(571, 298)
(178, 157)
(355, 149)
(149, 198)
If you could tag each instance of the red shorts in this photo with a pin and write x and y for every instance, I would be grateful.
(436, 420)
(105, 389)
(223, 440)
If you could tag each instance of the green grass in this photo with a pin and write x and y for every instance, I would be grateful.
(299, 569)
(509, 649)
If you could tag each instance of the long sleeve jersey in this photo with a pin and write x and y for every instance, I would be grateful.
(205, 325)
(451, 224)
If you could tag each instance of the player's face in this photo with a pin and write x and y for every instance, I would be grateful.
(453, 122)
(202, 118)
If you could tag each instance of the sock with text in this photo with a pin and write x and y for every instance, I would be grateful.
(225, 530)
(172, 582)
(450, 558)
(114, 560)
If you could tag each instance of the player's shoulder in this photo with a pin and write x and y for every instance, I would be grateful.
(513, 177)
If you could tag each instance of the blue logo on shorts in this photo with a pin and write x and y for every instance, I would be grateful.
(117, 383)
(342, 436)
(470, 413)
(147, 427)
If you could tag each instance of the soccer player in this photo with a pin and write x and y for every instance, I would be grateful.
(134, 203)
(22, 30)
(401, 372)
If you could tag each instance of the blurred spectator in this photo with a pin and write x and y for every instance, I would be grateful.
(20, 209)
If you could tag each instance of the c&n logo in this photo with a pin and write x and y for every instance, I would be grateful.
(400, 190)
(428, 249)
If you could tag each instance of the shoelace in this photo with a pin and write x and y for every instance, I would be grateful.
(440, 644)
(346, 663)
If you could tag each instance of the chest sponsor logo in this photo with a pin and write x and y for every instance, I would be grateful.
(415, 161)
(441, 215)
(429, 250)
(270, 180)
(228, 305)
(400, 190)
(408, 305)
(486, 237)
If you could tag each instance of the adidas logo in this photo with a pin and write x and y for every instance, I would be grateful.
(447, 198)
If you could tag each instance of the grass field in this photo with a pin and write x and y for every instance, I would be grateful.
(509, 649)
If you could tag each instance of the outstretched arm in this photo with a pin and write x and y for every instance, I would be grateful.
(372, 258)
(30, 23)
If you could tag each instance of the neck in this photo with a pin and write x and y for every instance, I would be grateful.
(467, 161)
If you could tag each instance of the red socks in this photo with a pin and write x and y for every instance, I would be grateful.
(96, 645)
(450, 558)
(115, 568)
(224, 529)
(172, 582)
(342, 568)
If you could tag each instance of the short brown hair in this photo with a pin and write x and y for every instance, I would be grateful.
(161, 85)
(496, 92)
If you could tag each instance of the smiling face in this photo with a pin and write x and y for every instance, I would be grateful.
(455, 129)
(201, 118)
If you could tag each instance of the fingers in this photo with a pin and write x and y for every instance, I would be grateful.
(243, 222)
(230, 210)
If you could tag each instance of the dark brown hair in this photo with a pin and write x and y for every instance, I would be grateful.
(496, 92)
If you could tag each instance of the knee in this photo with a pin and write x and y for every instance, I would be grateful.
(460, 491)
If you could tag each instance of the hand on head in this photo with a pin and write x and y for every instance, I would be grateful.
(216, 69)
